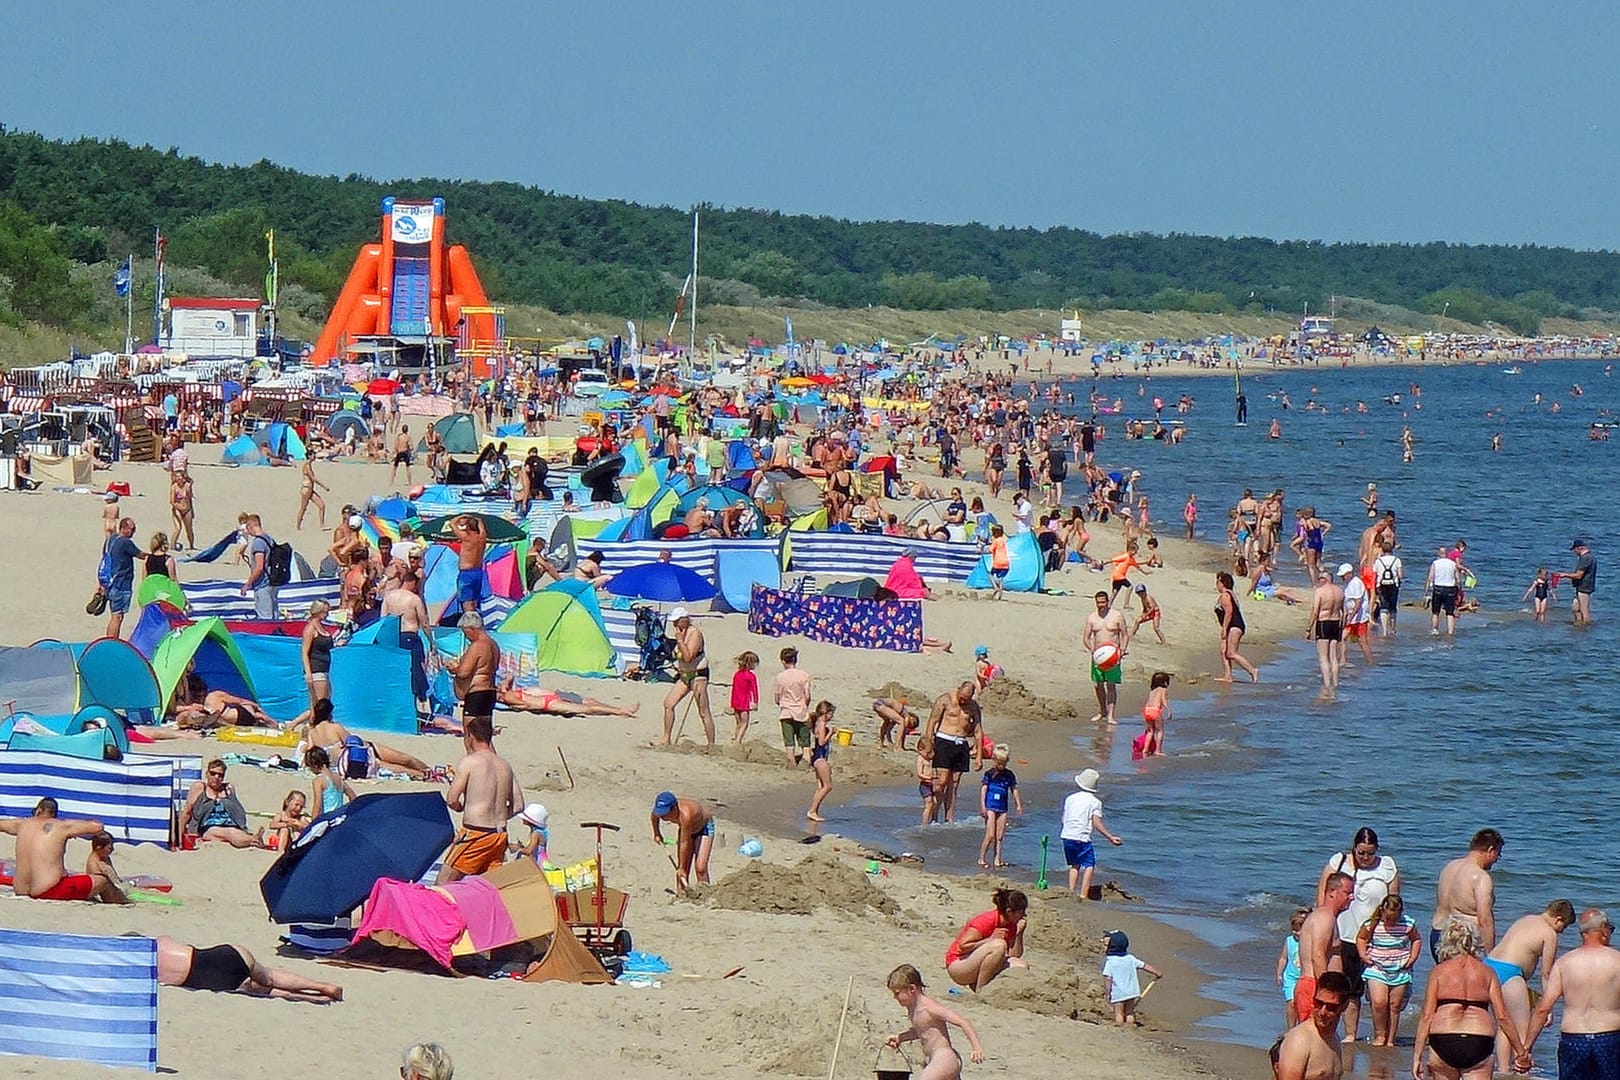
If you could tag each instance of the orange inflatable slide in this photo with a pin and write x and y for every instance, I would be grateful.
(409, 287)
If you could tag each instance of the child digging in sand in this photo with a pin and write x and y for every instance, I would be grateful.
(930, 1025)
(997, 789)
(1120, 979)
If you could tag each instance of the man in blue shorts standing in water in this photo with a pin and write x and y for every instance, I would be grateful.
(1587, 978)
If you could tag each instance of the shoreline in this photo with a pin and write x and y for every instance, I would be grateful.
(613, 777)
(1171, 1019)
(1067, 367)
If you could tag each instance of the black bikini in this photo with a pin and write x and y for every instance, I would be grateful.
(1462, 1050)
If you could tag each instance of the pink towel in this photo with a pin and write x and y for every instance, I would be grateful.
(905, 582)
(416, 913)
(489, 924)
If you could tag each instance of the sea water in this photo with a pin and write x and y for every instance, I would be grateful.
(1509, 725)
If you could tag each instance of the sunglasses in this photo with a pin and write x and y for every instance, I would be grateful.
(1329, 1006)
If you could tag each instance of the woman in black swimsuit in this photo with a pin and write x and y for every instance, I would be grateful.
(317, 653)
(995, 468)
(1230, 618)
(157, 559)
(1461, 1007)
(227, 969)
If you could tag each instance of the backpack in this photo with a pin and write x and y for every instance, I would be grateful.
(1386, 571)
(356, 764)
(278, 565)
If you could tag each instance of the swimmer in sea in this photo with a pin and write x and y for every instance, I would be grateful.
(1275, 431)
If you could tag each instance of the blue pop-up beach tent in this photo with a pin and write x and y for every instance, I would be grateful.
(1026, 571)
(371, 683)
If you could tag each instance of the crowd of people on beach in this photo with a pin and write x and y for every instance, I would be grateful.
(1009, 464)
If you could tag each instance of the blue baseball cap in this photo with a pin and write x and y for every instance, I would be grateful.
(981, 650)
(665, 803)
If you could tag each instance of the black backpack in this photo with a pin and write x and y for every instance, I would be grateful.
(278, 564)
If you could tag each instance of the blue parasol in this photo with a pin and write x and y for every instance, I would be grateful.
(661, 582)
(330, 869)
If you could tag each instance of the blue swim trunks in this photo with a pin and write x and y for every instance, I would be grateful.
(1589, 1056)
(470, 585)
(1079, 854)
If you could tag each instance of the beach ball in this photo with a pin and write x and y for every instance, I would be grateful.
(1105, 657)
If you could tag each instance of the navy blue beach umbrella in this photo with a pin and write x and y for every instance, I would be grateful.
(330, 869)
(661, 582)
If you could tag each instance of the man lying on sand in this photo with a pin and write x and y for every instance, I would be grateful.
(41, 871)
(556, 702)
(231, 969)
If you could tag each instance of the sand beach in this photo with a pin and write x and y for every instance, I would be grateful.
(797, 923)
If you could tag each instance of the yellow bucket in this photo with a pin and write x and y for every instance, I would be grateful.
(843, 736)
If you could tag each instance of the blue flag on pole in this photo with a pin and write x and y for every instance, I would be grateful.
(121, 279)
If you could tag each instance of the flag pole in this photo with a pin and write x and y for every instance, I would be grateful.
(157, 293)
(692, 334)
(129, 308)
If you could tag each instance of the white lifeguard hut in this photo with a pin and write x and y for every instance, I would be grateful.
(1071, 328)
(209, 326)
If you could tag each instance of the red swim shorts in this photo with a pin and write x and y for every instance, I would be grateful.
(1304, 998)
(71, 887)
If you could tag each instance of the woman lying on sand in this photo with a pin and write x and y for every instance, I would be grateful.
(231, 969)
(557, 702)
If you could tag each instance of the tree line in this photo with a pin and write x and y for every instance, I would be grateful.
(87, 200)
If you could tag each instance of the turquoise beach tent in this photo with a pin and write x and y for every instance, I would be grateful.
(1027, 570)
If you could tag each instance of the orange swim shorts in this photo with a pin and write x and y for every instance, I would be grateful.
(1304, 998)
(476, 850)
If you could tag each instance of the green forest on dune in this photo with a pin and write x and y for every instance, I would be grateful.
(86, 201)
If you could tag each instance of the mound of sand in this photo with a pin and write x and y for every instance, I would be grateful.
(1007, 697)
(1060, 992)
(795, 1035)
(916, 699)
(817, 881)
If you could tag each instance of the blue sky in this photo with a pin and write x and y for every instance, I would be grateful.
(1487, 121)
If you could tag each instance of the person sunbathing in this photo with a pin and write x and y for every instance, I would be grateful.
(213, 812)
(557, 702)
(231, 969)
(333, 737)
(221, 708)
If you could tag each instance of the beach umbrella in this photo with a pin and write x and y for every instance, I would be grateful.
(395, 508)
(498, 529)
(381, 387)
(614, 397)
(663, 582)
(330, 869)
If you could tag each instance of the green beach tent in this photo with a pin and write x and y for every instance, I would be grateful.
(218, 661)
(566, 622)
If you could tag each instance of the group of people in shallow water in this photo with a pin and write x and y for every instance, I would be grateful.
(1478, 1014)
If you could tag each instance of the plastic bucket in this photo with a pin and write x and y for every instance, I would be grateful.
(843, 736)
